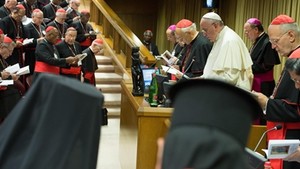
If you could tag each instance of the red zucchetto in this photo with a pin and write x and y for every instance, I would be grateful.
(84, 12)
(36, 10)
(184, 23)
(295, 54)
(20, 6)
(61, 10)
(49, 28)
(7, 39)
(98, 41)
(282, 19)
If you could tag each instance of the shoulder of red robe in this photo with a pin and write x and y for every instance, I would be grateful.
(1, 32)
(295, 54)
(184, 23)
(282, 19)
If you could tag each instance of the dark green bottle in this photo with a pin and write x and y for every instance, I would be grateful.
(153, 90)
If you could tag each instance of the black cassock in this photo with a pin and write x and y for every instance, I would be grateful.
(194, 60)
(14, 31)
(56, 125)
(264, 58)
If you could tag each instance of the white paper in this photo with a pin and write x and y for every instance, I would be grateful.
(23, 71)
(6, 82)
(278, 149)
(27, 41)
(171, 70)
(13, 69)
(81, 56)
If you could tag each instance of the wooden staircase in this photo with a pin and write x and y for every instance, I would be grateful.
(109, 83)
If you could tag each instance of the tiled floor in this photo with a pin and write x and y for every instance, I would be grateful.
(108, 157)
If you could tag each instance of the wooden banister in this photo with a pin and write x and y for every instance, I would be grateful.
(122, 38)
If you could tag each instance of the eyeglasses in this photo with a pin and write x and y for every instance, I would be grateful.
(275, 41)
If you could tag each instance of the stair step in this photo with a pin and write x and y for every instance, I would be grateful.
(112, 99)
(104, 60)
(109, 88)
(106, 68)
(108, 78)
(113, 112)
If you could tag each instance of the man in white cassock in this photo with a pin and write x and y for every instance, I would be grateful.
(229, 59)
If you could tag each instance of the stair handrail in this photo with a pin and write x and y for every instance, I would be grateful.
(115, 29)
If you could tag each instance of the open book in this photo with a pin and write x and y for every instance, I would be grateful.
(23, 71)
(279, 149)
(17, 70)
(168, 58)
(172, 70)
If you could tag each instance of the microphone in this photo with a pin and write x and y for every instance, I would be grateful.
(189, 66)
(277, 127)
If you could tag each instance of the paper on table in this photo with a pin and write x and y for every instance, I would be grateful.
(6, 82)
(23, 71)
(12, 69)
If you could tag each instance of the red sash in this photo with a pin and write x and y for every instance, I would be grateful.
(73, 70)
(279, 134)
(90, 76)
(44, 67)
(3, 87)
(87, 42)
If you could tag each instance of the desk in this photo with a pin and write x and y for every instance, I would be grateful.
(141, 126)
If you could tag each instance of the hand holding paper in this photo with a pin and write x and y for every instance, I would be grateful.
(27, 41)
(23, 71)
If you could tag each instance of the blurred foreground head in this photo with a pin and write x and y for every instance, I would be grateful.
(209, 127)
(56, 125)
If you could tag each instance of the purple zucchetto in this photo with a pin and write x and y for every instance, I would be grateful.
(254, 21)
(172, 27)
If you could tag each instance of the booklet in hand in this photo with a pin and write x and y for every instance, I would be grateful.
(17, 70)
(27, 41)
(81, 56)
(23, 71)
(279, 149)
(13, 69)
